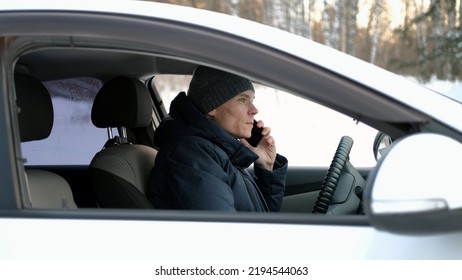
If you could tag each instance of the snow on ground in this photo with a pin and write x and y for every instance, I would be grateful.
(448, 88)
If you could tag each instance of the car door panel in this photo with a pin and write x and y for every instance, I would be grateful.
(204, 240)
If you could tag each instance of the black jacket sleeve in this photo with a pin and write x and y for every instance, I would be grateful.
(272, 183)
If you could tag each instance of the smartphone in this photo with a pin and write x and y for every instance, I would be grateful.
(256, 135)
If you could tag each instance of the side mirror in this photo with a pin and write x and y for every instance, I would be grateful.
(414, 189)
(381, 144)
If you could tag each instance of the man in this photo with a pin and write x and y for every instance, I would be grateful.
(203, 154)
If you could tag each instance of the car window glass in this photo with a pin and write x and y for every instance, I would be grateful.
(73, 139)
(305, 132)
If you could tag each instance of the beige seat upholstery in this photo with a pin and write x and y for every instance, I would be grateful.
(48, 190)
(35, 115)
(119, 173)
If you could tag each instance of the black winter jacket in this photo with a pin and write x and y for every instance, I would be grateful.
(200, 166)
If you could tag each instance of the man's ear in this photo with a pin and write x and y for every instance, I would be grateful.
(212, 113)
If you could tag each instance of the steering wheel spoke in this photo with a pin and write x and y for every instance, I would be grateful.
(333, 175)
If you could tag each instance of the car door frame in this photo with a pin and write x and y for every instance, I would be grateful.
(125, 32)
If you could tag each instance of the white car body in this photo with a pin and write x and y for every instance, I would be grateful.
(28, 234)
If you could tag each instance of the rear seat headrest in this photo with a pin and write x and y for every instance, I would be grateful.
(35, 109)
(122, 102)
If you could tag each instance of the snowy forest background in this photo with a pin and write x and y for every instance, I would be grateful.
(413, 38)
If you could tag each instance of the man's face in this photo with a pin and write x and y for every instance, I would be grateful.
(236, 115)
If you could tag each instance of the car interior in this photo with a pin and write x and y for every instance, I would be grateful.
(119, 173)
(46, 189)
(127, 101)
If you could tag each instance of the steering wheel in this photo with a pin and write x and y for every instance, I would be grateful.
(333, 175)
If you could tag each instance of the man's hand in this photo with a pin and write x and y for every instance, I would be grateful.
(266, 148)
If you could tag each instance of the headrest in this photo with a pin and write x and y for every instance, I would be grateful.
(35, 110)
(122, 102)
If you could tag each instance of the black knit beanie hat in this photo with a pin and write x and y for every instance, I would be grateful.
(209, 88)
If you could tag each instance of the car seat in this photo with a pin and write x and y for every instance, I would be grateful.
(119, 173)
(35, 116)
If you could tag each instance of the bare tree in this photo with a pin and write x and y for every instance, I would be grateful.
(460, 14)
(420, 29)
(278, 14)
(353, 8)
(339, 24)
(299, 15)
(338, 28)
(326, 23)
(234, 7)
(377, 8)
(437, 22)
(309, 32)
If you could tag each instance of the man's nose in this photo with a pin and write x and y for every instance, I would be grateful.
(253, 110)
